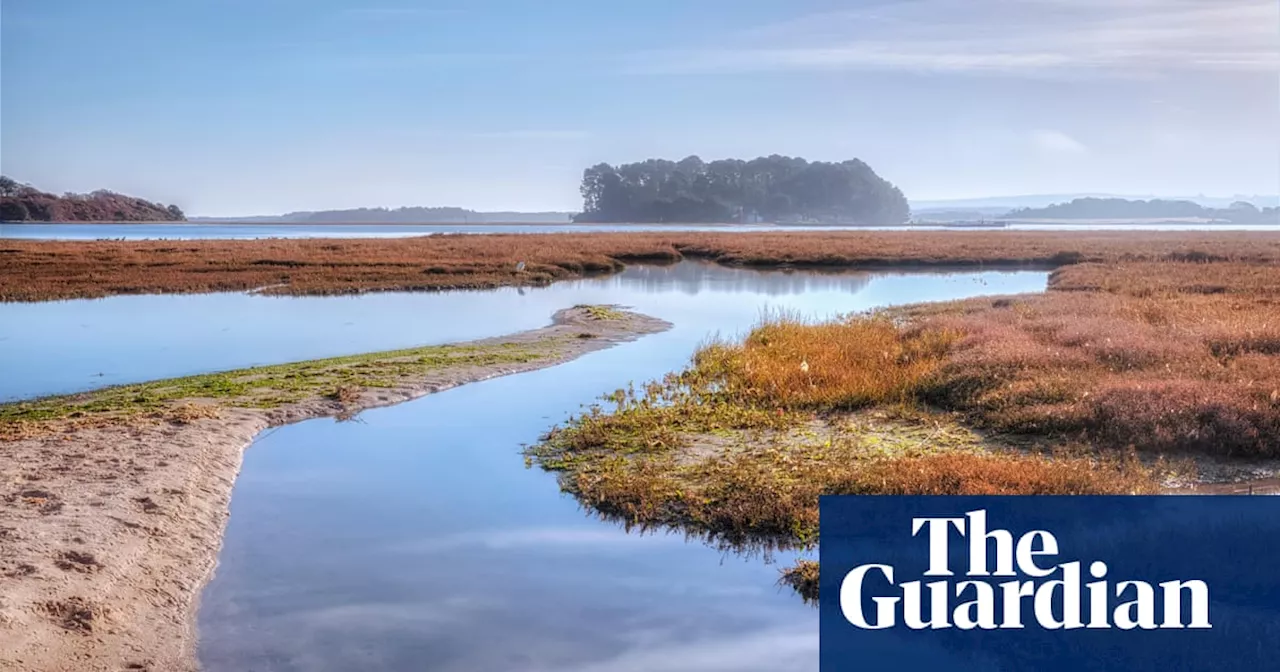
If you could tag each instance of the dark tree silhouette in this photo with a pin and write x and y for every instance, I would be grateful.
(774, 188)
(22, 203)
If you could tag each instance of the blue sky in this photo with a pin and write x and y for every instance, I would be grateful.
(262, 106)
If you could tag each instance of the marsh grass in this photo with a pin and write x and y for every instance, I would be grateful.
(1130, 356)
(841, 365)
(741, 445)
(768, 487)
(1069, 388)
(187, 399)
(41, 270)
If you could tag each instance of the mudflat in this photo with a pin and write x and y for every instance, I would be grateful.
(113, 503)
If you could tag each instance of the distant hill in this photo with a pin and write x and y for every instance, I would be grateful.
(412, 215)
(1001, 204)
(24, 203)
(1239, 212)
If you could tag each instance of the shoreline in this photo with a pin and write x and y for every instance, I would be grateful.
(104, 566)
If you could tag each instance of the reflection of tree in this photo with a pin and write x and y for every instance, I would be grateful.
(692, 278)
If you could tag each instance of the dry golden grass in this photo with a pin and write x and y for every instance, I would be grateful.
(718, 451)
(765, 487)
(39, 270)
(840, 365)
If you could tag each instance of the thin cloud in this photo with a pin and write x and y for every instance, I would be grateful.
(1057, 142)
(1018, 37)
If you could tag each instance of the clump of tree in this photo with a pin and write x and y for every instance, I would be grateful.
(1240, 212)
(773, 188)
(24, 203)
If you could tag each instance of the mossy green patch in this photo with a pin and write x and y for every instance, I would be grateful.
(268, 387)
(598, 312)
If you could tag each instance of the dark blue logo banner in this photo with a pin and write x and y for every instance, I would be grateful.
(1050, 583)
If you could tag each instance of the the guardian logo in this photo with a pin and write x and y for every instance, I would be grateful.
(1036, 589)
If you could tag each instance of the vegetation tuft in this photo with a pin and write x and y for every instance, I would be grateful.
(803, 578)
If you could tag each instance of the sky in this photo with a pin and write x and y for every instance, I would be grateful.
(239, 107)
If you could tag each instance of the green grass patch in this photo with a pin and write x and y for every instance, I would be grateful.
(267, 387)
(599, 312)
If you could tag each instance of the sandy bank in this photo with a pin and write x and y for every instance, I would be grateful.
(109, 529)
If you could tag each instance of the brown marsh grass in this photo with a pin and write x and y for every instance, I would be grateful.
(1133, 356)
(41, 270)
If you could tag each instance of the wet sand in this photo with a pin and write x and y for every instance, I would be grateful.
(108, 533)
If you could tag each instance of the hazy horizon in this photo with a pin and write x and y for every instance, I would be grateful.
(240, 108)
(1010, 201)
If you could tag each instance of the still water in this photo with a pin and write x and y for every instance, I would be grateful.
(415, 538)
(249, 231)
(57, 347)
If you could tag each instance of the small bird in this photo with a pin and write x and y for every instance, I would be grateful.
(804, 366)
(520, 267)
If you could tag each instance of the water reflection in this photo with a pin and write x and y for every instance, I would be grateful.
(67, 346)
(693, 278)
(416, 539)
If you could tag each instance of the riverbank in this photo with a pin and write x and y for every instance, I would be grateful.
(46, 270)
(1122, 378)
(114, 501)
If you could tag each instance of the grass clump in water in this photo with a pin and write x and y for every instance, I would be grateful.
(802, 577)
(741, 445)
(600, 312)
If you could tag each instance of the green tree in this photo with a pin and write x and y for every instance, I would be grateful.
(776, 187)
(13, 211)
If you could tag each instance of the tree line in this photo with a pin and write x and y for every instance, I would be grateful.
(24, 203)
(773, 188)
(1240, 212)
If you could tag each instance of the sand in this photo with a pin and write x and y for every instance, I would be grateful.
(108, 534)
